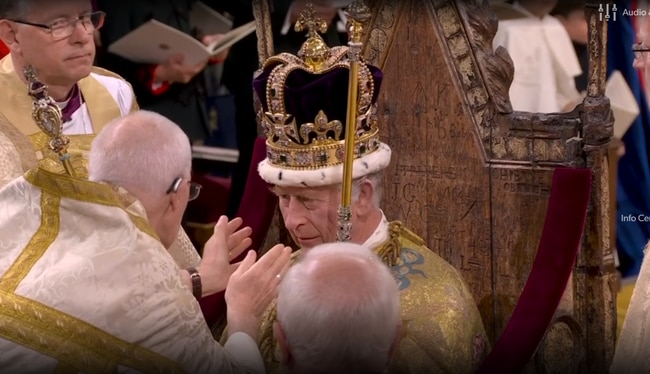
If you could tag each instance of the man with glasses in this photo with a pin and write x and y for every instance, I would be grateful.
(56, 38)
(86, 283)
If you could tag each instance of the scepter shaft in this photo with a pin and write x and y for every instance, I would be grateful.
(357, 14)
(351, 118)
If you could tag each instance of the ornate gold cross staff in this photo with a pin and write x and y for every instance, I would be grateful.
(358, 14)
(47, 116)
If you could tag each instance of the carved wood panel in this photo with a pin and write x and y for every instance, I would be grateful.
(473, 178)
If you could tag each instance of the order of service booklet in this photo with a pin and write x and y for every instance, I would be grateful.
(154, 43)
(208, 20)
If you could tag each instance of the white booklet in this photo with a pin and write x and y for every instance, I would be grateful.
(208, 20)
(154, 43)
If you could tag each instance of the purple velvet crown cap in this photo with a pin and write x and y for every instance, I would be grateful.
(305, 93)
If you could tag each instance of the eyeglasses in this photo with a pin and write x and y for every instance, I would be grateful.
(639, 50)
(63, 28)
(195, 188)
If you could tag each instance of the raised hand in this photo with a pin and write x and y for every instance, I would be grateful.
(253, 286)
(225, 244)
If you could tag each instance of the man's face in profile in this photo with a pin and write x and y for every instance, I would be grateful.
(643, 42)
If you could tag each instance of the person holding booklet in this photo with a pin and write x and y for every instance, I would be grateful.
(173, 88)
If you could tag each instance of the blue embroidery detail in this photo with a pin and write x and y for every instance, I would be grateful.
(404, 268)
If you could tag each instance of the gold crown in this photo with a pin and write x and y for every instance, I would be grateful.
(310, 134)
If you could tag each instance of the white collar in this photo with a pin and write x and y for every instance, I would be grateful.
(63, 104)
(380, 235)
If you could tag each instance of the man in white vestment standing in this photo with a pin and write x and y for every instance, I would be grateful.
(56, 38)
(86, 282)
(544, 59)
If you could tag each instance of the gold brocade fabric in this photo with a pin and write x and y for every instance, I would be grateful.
(442, 328)
(16, 107)
(15, 117)
(76, 299)
(16, 152)
(79, 150)
(632, 354)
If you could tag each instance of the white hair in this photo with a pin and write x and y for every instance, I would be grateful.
(376, 180)
(142, 151)
(339, 309)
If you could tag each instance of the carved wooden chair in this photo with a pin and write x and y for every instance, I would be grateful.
(473, 177)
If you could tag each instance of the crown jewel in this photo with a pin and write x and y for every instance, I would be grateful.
(314, 51)
(304, 102)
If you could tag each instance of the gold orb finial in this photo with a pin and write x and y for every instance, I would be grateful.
(314, 50)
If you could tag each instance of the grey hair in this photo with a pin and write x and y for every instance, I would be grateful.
(343, 318)
(142, 151)
(15, 9)
(377, 183)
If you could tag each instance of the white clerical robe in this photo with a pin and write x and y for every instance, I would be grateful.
(106, 97)
(544, 60)
(120, 91)
(632, 353)
(86, 286)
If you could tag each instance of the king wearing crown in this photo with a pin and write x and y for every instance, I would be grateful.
(304, 110)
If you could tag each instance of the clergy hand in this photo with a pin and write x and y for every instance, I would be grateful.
(225, 244)
(176, 71)
(253, 286)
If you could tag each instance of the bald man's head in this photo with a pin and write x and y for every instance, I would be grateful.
(149, 156)
(338, 309)
(140, 151)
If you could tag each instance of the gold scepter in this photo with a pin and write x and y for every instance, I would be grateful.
(358, 13)
(47, 116)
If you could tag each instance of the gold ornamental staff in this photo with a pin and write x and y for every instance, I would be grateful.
(47, 116)
(358, 13)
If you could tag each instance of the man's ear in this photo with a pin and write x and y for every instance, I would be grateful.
(285, 352)
(175, 202)
(8, 35)
(364, 205)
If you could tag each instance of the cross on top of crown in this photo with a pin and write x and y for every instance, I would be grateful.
(309, 21)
